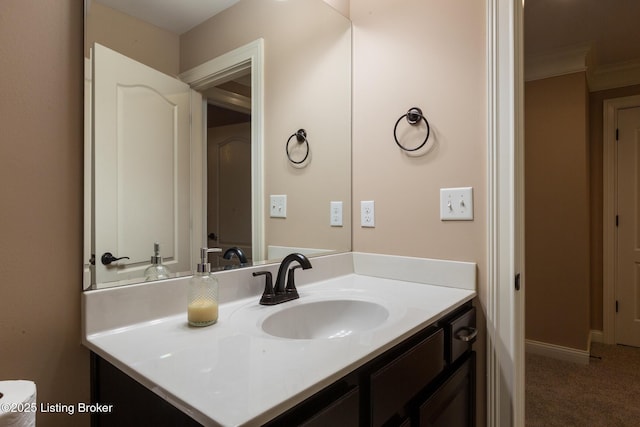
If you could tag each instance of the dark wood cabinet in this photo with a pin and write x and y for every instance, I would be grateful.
(402, 377)
(432, 381)
(133, 404)
(427, 380)
(336, 405)
(343, 412)
(453, 402)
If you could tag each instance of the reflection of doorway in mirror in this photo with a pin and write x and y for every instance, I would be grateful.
(229, 170)
(242, 67)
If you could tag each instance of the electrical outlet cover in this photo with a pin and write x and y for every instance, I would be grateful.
(367, 214)
(335, 219)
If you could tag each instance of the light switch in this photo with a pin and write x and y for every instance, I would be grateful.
(456, 204)
(278, 206)
(336, 214)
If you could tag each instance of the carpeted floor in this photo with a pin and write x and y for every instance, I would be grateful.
(604, 393)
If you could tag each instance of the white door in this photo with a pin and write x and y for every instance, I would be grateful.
(141, 168)
(229, 186)
(628, 230)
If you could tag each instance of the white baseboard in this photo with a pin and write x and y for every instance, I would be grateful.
(557, 352)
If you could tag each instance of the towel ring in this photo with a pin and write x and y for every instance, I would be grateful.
(414, 115)
(301, 136)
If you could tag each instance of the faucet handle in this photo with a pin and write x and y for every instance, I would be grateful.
(268, 295)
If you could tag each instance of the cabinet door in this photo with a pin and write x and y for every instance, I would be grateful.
(343, 412)
(132, 403)
(402, 378)
(453, 403)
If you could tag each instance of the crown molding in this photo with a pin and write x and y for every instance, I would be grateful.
(614, 75)
(578, 59)
(557, 63)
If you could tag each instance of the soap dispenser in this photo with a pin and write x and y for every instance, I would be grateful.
(156, 270)
(202, 304)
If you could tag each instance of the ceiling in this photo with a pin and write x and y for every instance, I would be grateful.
(177, 16)
(610, 27)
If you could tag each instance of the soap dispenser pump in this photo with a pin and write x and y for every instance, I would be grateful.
(202, 304)
(156, 270)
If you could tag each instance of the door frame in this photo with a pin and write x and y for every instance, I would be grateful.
(505, 226)
(214, 72)
(610, 201)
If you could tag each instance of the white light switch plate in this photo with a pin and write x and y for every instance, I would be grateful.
(278, 206)
(335, 219)
(456, 204)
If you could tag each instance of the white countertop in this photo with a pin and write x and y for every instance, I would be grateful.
(233, 373)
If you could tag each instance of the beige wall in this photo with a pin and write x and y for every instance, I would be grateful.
(557, 218)
(41, 110)
(596, 127)
(132, 37)
(306, 85)
(429, 54)
(341, 6)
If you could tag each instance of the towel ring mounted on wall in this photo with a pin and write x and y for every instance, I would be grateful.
(414, 116)
(301, 137)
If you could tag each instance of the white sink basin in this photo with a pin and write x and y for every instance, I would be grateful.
(325, 319)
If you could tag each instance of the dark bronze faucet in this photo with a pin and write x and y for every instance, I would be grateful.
(280, 292)
(239, 253)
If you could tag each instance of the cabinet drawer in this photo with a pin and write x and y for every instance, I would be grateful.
(342, 412)
(453, 403)
(461, 332)
(393, 385)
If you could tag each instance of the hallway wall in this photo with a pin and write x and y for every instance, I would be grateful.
(557, 242)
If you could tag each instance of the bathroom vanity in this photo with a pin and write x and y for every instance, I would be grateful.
(399, 350)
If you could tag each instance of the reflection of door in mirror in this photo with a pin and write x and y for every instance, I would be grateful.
(229, 168)
(141, 151)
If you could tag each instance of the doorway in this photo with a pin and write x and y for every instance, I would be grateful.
(599, 306)
(627, 254)
(229, 168)
(622, 117)
(571, 36)
(237, 64)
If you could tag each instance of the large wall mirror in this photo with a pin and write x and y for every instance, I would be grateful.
(192, 118)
